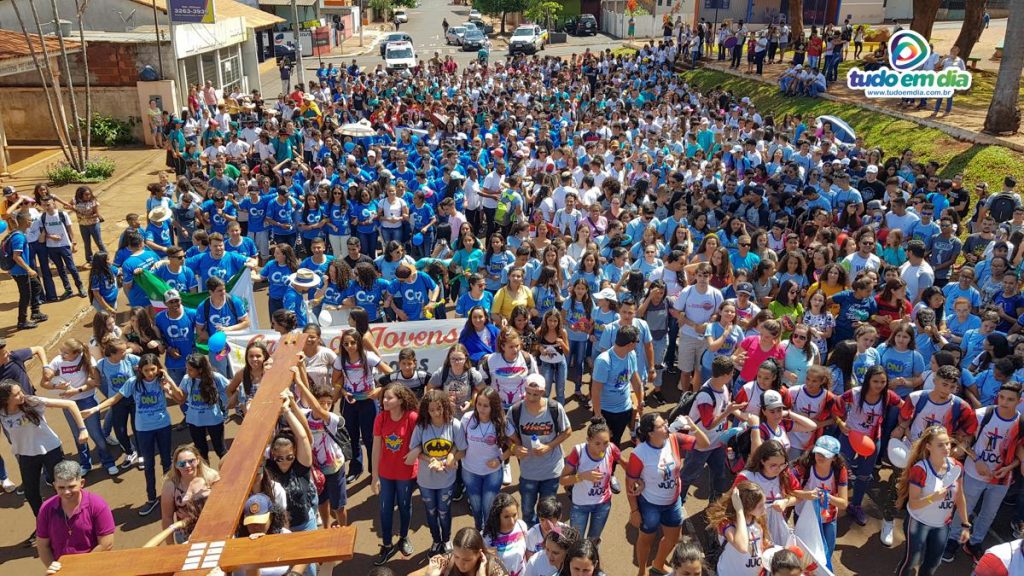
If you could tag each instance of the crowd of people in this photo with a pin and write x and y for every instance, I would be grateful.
(836, 318)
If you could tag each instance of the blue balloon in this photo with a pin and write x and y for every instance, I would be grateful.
(417, 239)
(3, 226)
(350, 146)
(218, 342)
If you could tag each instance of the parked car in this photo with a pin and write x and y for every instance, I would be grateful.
(482, 26)
(528, 38)
(393, 37)
(399, 56)
(474, 13)
(454, 35)
(282, 51)
(401, 16)
(474, 40)
(582, 25)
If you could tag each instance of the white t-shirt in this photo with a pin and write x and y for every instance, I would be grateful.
(318, 366)
(697, 307)
(358, 382)
(26, 438)
(481, 444)
(510, 548)
(538, 565)
(67, 375)
(391, 210)
(56, 224)
(492, 183)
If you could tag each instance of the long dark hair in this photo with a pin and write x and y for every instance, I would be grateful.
(870, 373)
(247, 382)
(32, 408)
(207, 385)
(842, 356)
(585, 548)
(99, 272)
(497, 415)
(492, 525)
(769, 449)
(447, 366)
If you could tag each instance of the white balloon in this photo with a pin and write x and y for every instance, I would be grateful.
(325, 318)
(898, 453)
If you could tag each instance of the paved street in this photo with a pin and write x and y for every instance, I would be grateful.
(428, 37)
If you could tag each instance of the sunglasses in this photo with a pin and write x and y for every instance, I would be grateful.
(799, 337)
(186, 463)
(287, 458)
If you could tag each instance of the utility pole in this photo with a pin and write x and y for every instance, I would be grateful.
(159, 52)
(362, 17)
(298, 44)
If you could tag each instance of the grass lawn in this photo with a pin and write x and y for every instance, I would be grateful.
(983, 84)
(977, 162)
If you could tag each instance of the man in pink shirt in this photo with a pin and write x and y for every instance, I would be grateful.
(210, 97)
(72, 522)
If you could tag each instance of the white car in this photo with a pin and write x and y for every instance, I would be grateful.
(527, 38)
(474, 14)
(399, 56)
(401, 16)
(454, 35)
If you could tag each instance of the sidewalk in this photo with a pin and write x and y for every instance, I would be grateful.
(123, 193)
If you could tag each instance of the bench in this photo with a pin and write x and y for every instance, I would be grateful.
(973, 62)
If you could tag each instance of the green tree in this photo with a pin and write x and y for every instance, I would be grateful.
(502, 7)
(544, 11)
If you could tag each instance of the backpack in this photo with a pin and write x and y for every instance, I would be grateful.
(342, 439)
(503, 214)
(1001, 207)
(6, 254)
(922, 401)
(686, 401)
(740, 445)
(517, 415)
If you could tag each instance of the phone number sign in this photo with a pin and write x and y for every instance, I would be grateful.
(191, 11)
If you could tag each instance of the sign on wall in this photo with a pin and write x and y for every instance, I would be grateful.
(191, 11)
(912, 72)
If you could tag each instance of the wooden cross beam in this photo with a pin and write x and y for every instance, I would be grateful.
(212, 542)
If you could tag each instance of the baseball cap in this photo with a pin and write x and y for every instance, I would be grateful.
(827, 446)
(536, 381)
(745, 288)
(772, 400)
(871, 169)
(257, 510)
(8, 190)
(606, 294)
(171, 294)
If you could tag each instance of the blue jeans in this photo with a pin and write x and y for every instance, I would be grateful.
(530, 491)
(990, 496)
(41, 263)
(149, 442)
(389, 234)
(117, 422)
(65, 263)
(693, 468)
(925, 545)
(368, 242)
(359, 417)
(554, 374)
(654, 515)
(438, 505)
(95, 428)
(596, 515)
(3, 469)
(949, 104)
(861, 469)
(90, 233)
(395, 493)
(481, 492)
(660, 345)
(578, 360)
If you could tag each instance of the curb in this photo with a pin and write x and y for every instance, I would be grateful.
(957, 133)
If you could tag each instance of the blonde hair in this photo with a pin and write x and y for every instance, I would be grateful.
(918, 452)
(203, 469)
(751, 496)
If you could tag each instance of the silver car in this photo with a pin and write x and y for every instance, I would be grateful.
(454, 35)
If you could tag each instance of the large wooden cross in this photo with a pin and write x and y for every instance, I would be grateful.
(212, 543)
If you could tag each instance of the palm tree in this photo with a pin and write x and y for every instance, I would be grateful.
(1004, 111)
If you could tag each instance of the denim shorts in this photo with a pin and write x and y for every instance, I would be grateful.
(654, 515)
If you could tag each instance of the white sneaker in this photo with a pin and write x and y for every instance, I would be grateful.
(129, 459)
(83, 471)
(616, 489)
(113, 470)
(886, 534)
(111, 441)
(141, 463)
(8, 486)
(506, 474)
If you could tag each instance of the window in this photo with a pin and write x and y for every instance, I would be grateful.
(230, 67)
(209, 64)
(192, 71)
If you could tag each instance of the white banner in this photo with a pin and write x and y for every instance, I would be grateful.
(431, 340)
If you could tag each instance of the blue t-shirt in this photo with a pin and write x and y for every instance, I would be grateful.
(362, 213)
(987, 387)
(183, 281)
(953, 291)
(1009, 305)
(715, 331)
(862, 362)
(141, 261)
(615, 373)
(851, 309)
(544, 299)
(150, 404)
(495, 267)
(159, 233)
(113, 375)
(413, 295)
(576, 319)
(212, 319)
(465, 303)
(312, 218)
(369, 299)
(925, 232)
(247, 247)
(334, 295)
(257, 211)
(282, 216)
(218, 222)
(199, 412)
(602, 320)
(420, 217)
(296, 302)
(178, 334)
(225, 268)
(906, 364)
(608, 340)
(960, 328)
(276, 276)
(107, 287)
(973, 344)
(19, 243)
(339, 217)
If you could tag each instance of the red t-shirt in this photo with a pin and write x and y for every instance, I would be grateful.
(394, 445)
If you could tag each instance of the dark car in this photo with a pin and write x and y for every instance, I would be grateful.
(473, 40)
(482, 26)
(582, 25)
(393, 37)
(282, 51)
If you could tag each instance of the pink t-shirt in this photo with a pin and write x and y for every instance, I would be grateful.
(756, 356)
(78, 534)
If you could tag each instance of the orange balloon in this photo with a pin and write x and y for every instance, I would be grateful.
(861, 443)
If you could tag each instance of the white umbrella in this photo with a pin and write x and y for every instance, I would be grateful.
(359, 129)
(840, 128)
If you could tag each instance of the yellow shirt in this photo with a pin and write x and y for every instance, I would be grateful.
(504, 301)
(829, 292)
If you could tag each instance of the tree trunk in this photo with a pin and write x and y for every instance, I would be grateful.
(974, 24)
(61, 111)
(80, 5)
(796, 20)
(58, 127)
(503, 14)
(80, 152)
(924, 16)
(1004, 112)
